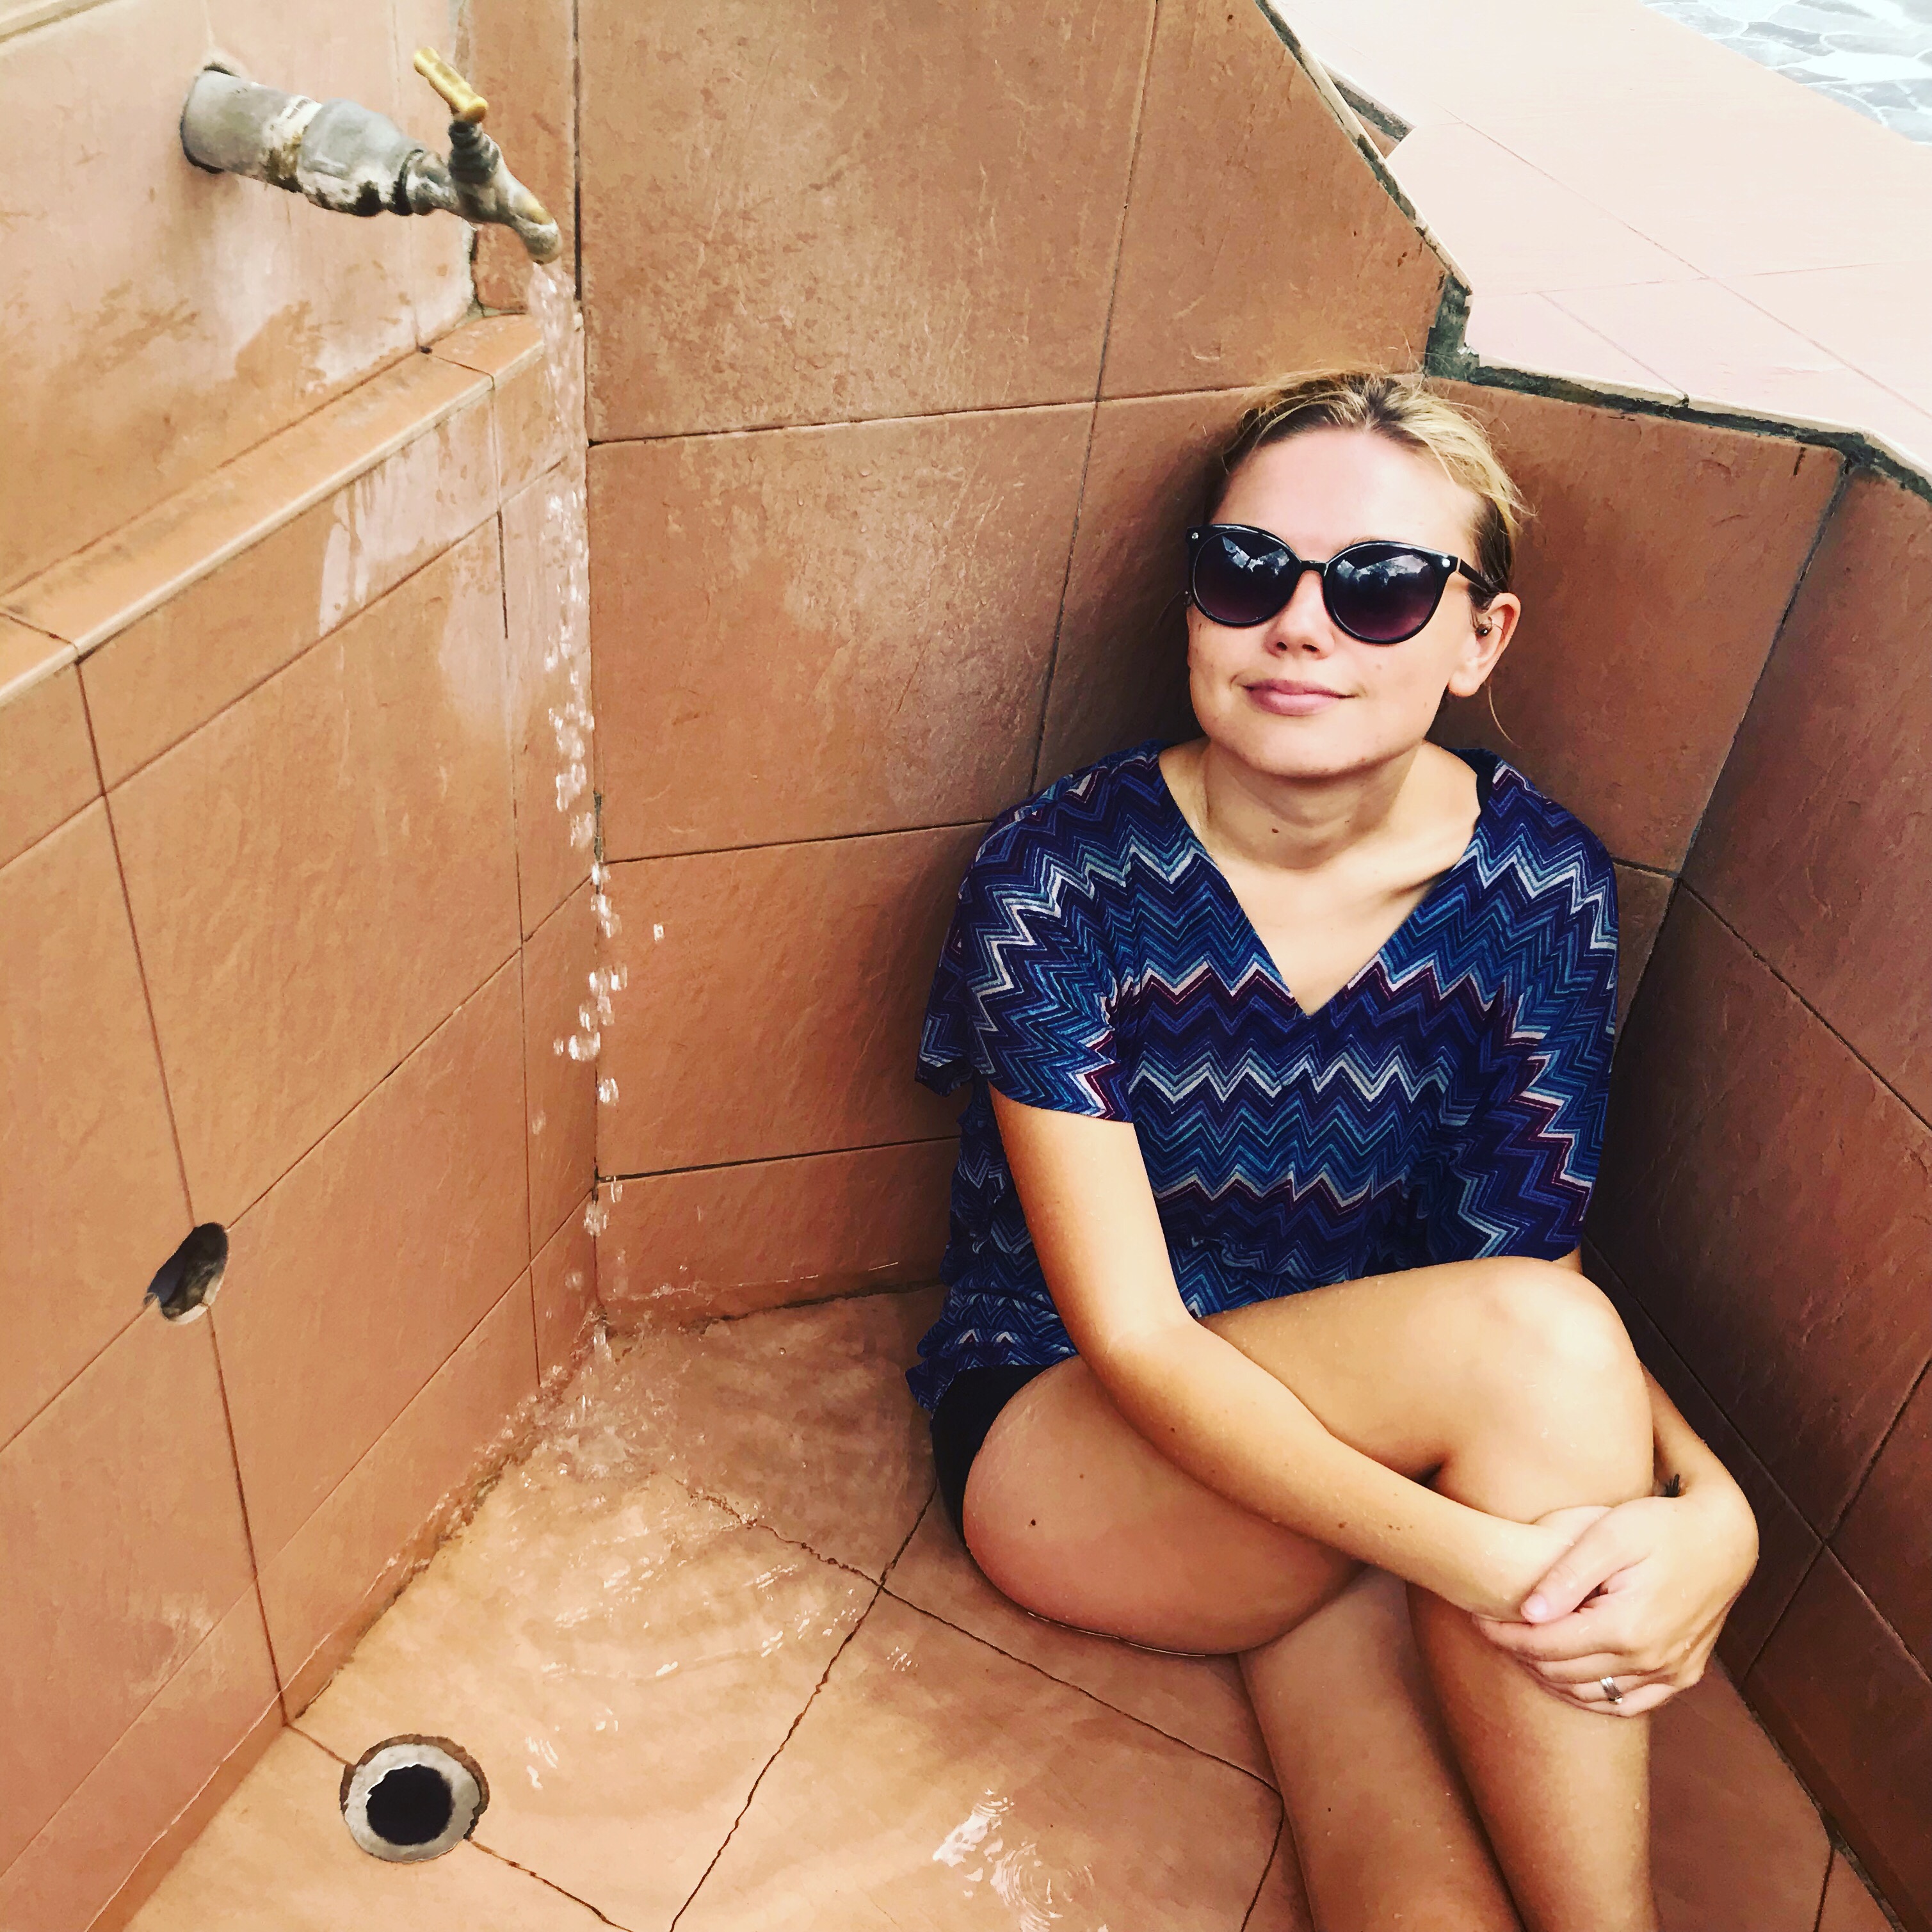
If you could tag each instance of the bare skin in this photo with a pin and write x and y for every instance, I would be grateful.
(1481, 1431)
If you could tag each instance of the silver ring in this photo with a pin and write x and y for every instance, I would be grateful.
(1610, 1690)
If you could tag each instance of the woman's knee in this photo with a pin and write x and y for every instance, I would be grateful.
(1558, 1362)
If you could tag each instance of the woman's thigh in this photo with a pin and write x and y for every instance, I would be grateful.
(1072, 1512)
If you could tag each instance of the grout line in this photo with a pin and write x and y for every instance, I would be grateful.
(787, 845)
(700, 1325)
(1092, 1696)
(1267, 1865)
(375, 1086)
(751, 1795)
(141, 965)
(1099, 384)
(288, 663)
(1697, 1382)
(513, 732)
(920, 416)
(1685, 886)
(1826, 518)
(504, 1857)
(773, 1160)
(779, 427)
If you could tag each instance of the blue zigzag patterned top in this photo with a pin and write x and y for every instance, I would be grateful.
(1446, 1103)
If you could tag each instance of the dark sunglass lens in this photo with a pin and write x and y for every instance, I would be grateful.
(1383, 593)
(1241, 579)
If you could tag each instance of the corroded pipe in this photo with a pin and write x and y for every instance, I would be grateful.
(346, 157)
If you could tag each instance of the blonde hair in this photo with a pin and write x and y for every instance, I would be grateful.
(1401, 408)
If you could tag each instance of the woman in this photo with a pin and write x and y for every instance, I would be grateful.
(1288, 1050)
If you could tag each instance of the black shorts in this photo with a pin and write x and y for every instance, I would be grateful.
(973, 1399)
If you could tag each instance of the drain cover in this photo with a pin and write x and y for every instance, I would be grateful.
(409, 1799)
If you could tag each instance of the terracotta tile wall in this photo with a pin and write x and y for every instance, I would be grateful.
(286, 940)
(1766, 1212)
(908, 372)
(161, 319)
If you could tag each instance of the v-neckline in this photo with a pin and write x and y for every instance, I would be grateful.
(1258, 947)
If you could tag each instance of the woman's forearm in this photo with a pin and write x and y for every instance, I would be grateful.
(1207, 1408)
(1687, 1466)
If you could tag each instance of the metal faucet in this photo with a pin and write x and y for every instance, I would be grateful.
(343, 157)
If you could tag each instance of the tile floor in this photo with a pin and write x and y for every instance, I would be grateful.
(1644, 199)
(727, 1668)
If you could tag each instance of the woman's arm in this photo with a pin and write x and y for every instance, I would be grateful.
(1204, 1405)
(1643, 1592)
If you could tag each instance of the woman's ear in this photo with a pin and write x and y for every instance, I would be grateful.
(1490, 631)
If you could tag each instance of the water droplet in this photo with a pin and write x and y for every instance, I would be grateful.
(606, 1091)
(536, 1124)
(617, 1194)
(657, 932)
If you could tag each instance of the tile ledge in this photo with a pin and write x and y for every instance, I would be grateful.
(498, 345)
(64, 602)
(18, 678)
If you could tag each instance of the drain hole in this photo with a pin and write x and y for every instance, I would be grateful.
(410, 1805)
(186, 1283)
(412, 1797)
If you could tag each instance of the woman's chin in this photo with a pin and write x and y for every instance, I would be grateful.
(1323, 744)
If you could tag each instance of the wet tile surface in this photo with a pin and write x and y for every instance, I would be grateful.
(276, 1859)
(623, 1659)
(740, 1412)
(1199, 1701)
(934, 1783)
(686, 1712)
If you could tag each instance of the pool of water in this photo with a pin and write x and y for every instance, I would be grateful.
(1875, 55)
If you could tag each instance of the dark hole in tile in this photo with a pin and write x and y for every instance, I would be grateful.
(186, 1283)
(412, 1797)
(411, 1805)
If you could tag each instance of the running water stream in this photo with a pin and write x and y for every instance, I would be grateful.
(566, 550)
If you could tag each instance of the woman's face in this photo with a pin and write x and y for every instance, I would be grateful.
(1298, 697)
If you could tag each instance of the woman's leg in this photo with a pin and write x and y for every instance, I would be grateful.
(1510, 1383)
(1383, 1822)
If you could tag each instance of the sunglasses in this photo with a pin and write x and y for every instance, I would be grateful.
(1379, 592)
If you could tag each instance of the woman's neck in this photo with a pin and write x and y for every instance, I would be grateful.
(1293, 824)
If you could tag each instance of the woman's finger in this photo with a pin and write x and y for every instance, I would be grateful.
(1593, 1670)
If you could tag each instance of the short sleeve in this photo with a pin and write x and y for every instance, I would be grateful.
(1515, 1174)
(1025, 991)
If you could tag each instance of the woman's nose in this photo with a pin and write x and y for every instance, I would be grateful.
(1303, 623)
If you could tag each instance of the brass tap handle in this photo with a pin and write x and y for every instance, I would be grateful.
(465, 103)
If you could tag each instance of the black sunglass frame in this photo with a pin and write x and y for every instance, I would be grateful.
(1446, 564)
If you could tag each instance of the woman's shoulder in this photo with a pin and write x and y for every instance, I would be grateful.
(1542, 845)
(1088, 814)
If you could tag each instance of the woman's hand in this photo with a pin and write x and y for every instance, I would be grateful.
(1640, 1596)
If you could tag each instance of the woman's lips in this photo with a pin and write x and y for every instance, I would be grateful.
(1292, 700)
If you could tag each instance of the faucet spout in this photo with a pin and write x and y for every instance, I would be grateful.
(346, 157)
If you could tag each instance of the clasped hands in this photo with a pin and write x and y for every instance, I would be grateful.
(1638, 1594)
